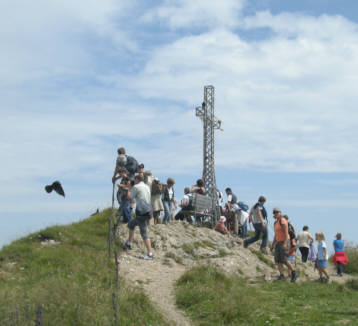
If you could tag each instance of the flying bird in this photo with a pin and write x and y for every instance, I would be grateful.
(57, 187)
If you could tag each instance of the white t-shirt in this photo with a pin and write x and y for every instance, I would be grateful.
(304, 239)
(171, 193)
(243, 216)
(140, 193)
(185, 201)
(255, 214)
(320, 251)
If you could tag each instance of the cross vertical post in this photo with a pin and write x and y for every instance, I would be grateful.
(207, 114)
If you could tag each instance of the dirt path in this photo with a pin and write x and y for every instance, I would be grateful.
(157, 280)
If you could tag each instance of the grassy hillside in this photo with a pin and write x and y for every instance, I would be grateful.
(70, 282)
(212, 298)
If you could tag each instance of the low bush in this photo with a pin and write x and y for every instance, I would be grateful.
(352, 254)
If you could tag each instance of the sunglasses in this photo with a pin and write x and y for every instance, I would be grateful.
(275, 212)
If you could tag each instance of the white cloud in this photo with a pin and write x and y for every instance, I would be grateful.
(200, 13)
(49, 39)
(286, 103)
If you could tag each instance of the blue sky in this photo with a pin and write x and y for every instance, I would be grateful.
(80, 79)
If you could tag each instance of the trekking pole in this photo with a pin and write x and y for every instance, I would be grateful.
(114, 184)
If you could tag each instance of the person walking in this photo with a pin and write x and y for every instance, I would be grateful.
(339, 257)
(281, 244)
(258, 216)
(168, 200)
(140, 193)
(304, 240)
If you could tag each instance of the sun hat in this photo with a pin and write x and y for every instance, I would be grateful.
(222, 219)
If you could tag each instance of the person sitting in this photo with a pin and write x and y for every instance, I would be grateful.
(198, 187)
(220, 227)
(186, 206)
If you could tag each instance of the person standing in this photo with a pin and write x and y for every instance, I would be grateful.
(155, 192)
(304, 239)
(339, 257)
(322, 257)
(258, 216)
(140, 193)
(281, 244)
(123, 198)
(168, 200)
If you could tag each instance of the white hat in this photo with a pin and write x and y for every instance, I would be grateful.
(222, 219)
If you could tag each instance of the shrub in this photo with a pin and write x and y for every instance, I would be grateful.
(352, 254)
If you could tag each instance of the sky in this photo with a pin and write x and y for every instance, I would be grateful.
(80, 79)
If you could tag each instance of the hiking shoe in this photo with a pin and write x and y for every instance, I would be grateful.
(245, 244)
(281, 278)
(293, 276)
(148, 257)
(127, 245)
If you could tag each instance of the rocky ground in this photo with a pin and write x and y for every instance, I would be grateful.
(177, 247)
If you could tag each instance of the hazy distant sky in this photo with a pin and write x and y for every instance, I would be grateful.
(79, 79)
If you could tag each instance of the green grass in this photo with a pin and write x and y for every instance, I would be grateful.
(188, 248)
(263, 258)
(352, 254)
(72, 282)
(173, 256)
(212, 298)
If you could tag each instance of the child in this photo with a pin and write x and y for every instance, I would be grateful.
(221, 226)
(322, 257)
(339, 257)
(292, 252)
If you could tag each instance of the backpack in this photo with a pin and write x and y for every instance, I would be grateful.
(190, 205)
(243, 206)
(263, 210)
(291, 230)
(157, 187)
(132, 165)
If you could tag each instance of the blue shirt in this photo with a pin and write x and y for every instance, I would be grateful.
(338, 245)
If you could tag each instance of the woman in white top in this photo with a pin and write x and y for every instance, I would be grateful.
(304, 240)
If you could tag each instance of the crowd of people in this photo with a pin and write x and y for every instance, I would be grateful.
(141, 192)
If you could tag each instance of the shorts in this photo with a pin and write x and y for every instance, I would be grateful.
(322, 263)
(142, 222)
(281, 254)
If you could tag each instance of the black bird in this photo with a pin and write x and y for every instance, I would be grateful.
(57, 187)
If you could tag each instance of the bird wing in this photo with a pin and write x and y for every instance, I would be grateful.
(58, 188)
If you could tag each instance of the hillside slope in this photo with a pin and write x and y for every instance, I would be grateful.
(62, 276)
(178, 247)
